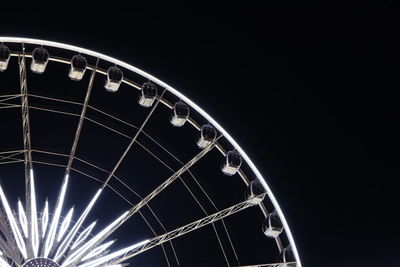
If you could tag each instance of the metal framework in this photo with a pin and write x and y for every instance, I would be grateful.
(173, 234)
(26, 132)
(7, 157)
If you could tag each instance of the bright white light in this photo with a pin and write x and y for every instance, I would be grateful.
(82, 250)
(52, 232)
(113, 255)
(14, 227)
(22, 219)
(3, 263)
(34, 225)
(65, 224)
(183, 98)
(98, 250)
(67, 240)
(45, 218)
(83, 235)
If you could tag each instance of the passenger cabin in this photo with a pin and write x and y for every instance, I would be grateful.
(256, 192)
(78, 67)
(208, 134)
(4, 57)
(148, 94)
(272, 226)
(180, 114)
(114, 79)
(40, 58)
(232, 163)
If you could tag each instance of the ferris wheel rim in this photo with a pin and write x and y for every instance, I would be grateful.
(187, 100)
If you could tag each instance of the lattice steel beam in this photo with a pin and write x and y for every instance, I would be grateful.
(25, 122)
(171, 235)
(26, 138)
(149, 197)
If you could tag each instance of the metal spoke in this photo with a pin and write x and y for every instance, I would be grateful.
(111, 174)
(153, 242)
(7, 100)
(151, 211)
(67, 240)
(81, 120)
(194, 197)
(198, 184)
(133, 140)
(148, 224)
(145, 200)
(30, 199)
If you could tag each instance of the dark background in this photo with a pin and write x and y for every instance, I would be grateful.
(310, 95)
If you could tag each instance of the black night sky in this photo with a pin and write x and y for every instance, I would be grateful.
(310, 95)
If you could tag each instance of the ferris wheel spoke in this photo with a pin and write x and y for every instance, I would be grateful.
(133, 140)
(68, 239)
(189, 190)
(86, 255)
(111, 228)
(81, 119)
(194, 197)
(148, 224)
(32, 245)
(110, 175)
(131, 251)
(141, 214)
(26, 132)
(191, 193)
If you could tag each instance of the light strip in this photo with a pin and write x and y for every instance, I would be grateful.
(65, 224)
(34, 226)
(83, 235)
(3, 263)
(45, 218)
(52, 232)
(184, 99)
(98, 250)
(22, 219)
(113, 255)
(82, 250)
(68, 239)
(14, 227)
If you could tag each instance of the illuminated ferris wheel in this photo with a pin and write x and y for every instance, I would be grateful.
(101, 150)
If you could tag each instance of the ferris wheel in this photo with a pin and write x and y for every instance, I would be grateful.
(110, 166)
